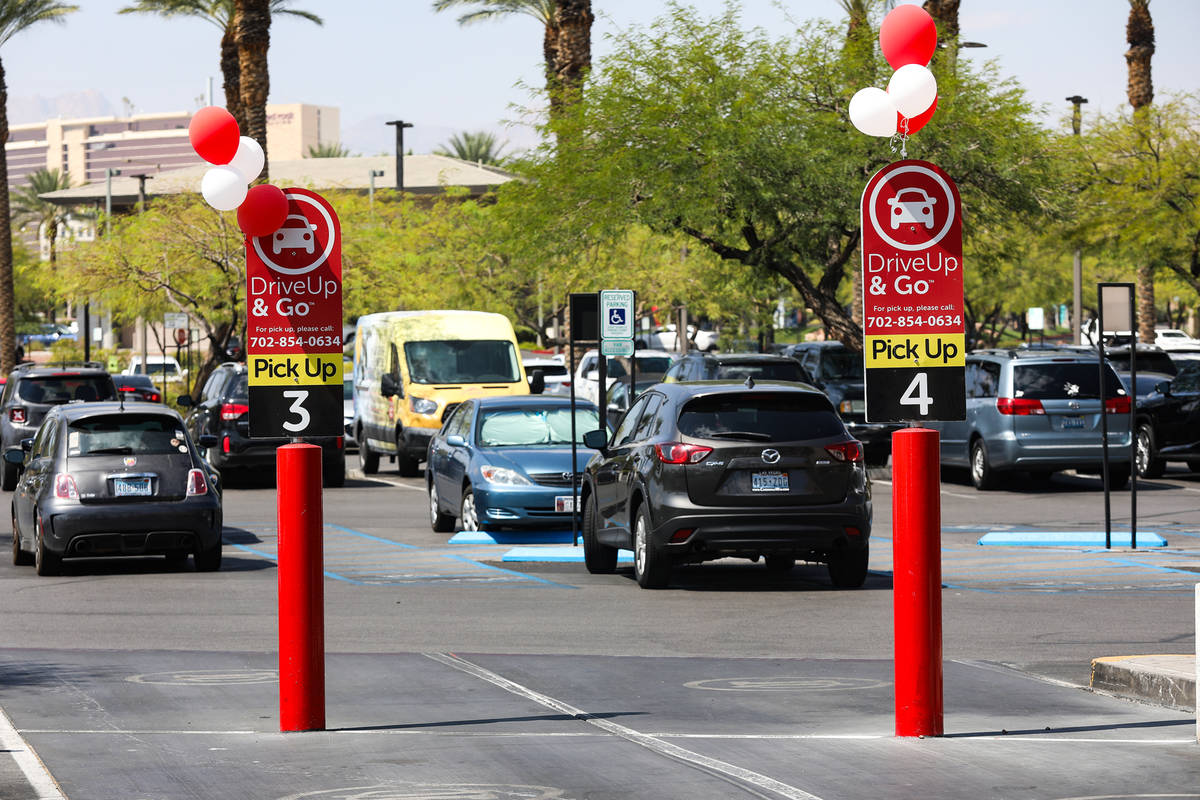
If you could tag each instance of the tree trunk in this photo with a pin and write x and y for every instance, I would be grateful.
(8, 329)
(253, 26)
(574, 19)
(1139, 33)
(231, 74)
(945, 17)
(550, 56)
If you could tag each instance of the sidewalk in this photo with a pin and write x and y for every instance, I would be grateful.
(1164, 680)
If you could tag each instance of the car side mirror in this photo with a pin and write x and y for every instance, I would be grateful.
(389, 386)
(14, 455)
(537, 382)
(184, 400)
(454, 440)
(1163, 387)
(596, 440)
(207, 440)
(27, 444)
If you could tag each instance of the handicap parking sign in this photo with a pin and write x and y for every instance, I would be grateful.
(616, 314)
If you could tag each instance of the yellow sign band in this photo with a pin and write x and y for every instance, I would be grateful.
(916, 350)
(295, 369)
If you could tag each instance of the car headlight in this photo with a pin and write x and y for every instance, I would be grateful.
(420, 405)
(504, 476)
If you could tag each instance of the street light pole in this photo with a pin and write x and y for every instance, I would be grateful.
(1077, 267)
(87, 304)
(375, 173)
(400, 126)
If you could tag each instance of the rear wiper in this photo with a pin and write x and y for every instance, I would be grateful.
(118, 451)
(755, 435)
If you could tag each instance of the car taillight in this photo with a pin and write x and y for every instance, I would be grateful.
(679, 453)
(341, 443)
(64, 486)
(153, 397)
(231, 411)
(1019, 406)
(850, 452)
(196, 484)
(17, 415)
(1117, 405)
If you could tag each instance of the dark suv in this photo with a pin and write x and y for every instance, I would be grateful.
(838, 371)
(736, 367)
(701, 471)
(223, 410)
(1168, 424)
(32, 390)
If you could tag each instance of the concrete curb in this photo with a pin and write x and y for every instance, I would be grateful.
(1164, 680)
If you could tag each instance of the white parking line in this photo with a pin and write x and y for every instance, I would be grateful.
(948, 494)
(649, 742)
(40, 779)
(357, 474)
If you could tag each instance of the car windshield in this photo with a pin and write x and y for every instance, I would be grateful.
(57, 389)
(527, 427)
(841, 365)
(763, 370)
(457, 361)
(125, 434)
(760, 418)
(1063, 381)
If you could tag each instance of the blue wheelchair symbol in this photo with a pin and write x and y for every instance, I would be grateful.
(616, 316)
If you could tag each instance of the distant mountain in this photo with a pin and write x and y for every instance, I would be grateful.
(90, 103)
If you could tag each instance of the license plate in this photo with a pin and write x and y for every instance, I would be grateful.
(1073, 422)
(564, 505)
(131, 487)
(768, 482)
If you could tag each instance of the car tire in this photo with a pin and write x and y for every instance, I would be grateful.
(406, 465)
(1118, 477)
(848, 567)
(650, 565)
(780, 565)
(44, 561)
(983, 477)
(441, 523)
(208, 559)
(20, 558)
(468, 514)
(599, 558)
(8, 476)
(1148, 465)
(368, 459)
(333, 473)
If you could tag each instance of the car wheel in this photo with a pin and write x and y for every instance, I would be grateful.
(208, 559)
(8, 476)
(468, 515)
(20, 558)
(1147, 465)
(780, 565)
(44, 561)
(649, 564)
(848, 567)
(333, 473)
(368, 459)
(599, 558)
(982, 475)
(1118, 477)
(406, 465)
(441, 523)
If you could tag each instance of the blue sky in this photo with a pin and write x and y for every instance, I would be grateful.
(380, 61)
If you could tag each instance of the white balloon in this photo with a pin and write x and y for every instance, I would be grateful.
(913, 89)
(872, 112)
(249, 158)
(224, 188)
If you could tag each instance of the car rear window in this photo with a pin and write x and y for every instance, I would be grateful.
(763, 370)
(239, 388)
(1063, 381)
(1150, 362)
(57, 389)
(760, 418)
(125, 434)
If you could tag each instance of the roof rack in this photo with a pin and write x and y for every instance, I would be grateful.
(1035, 352)
(60, 365)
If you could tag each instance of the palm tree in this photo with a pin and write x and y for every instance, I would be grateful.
(1139, 33)
(252, 31)
(220, 14)
(479, 147)
(28, 208)
(15, 17)
(329, 150)
(945, 17)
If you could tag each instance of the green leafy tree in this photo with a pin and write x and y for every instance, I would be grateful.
(477, 147)
(16, 16)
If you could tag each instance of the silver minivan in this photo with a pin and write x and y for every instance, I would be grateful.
(1037, 412)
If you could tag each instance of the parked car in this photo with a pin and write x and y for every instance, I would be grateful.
(157, 367)
(32, 390)
(736, 367)
(113, 479)
(348, 406)
(47, 333)
(1175, 339)
(554, 372)
(1146, 382)
(1168, 424)
(1149, 358)
(506, 462)
(667, 338)
(137, 387)
(1040, 412)
(223, 412)
(701, 471)
(838, 371)
(619, 398)
(587, 371)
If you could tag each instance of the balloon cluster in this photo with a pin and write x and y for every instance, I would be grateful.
(236, 160)
(908, 39)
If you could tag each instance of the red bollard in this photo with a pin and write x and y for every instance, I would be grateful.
(301, 589)
(917, 581)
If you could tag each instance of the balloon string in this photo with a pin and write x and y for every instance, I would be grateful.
(903, 134)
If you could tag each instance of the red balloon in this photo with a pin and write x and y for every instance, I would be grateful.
(214, 134)
(264, 210)
(908, 36)
(916, 123)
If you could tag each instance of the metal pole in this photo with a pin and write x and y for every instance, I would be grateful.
(1132, 437)
(374, 173)
(400, 126)
(1103, 422)
(1077, 268)
(574, 436)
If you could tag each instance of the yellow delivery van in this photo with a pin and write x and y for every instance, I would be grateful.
(411, 368)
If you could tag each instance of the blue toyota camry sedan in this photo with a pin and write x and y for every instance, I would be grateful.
(502, 462)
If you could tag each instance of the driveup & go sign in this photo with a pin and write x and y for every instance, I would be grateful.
(914, 338)
(294, 324)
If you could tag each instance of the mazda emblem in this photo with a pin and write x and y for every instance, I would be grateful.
(770, 455)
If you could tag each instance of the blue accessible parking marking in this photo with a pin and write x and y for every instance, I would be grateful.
(1069, 539)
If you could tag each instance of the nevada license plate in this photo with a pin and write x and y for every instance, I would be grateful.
(768, 482)
(1073, 422)
(564, 505)
(131, 487)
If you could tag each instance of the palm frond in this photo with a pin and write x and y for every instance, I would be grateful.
(17, 15)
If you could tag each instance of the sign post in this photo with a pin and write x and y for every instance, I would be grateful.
(584, 326)
(914, 344)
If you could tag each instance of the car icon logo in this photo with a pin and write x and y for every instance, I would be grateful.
(770, 456)
(917, 209)
(294, 238)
